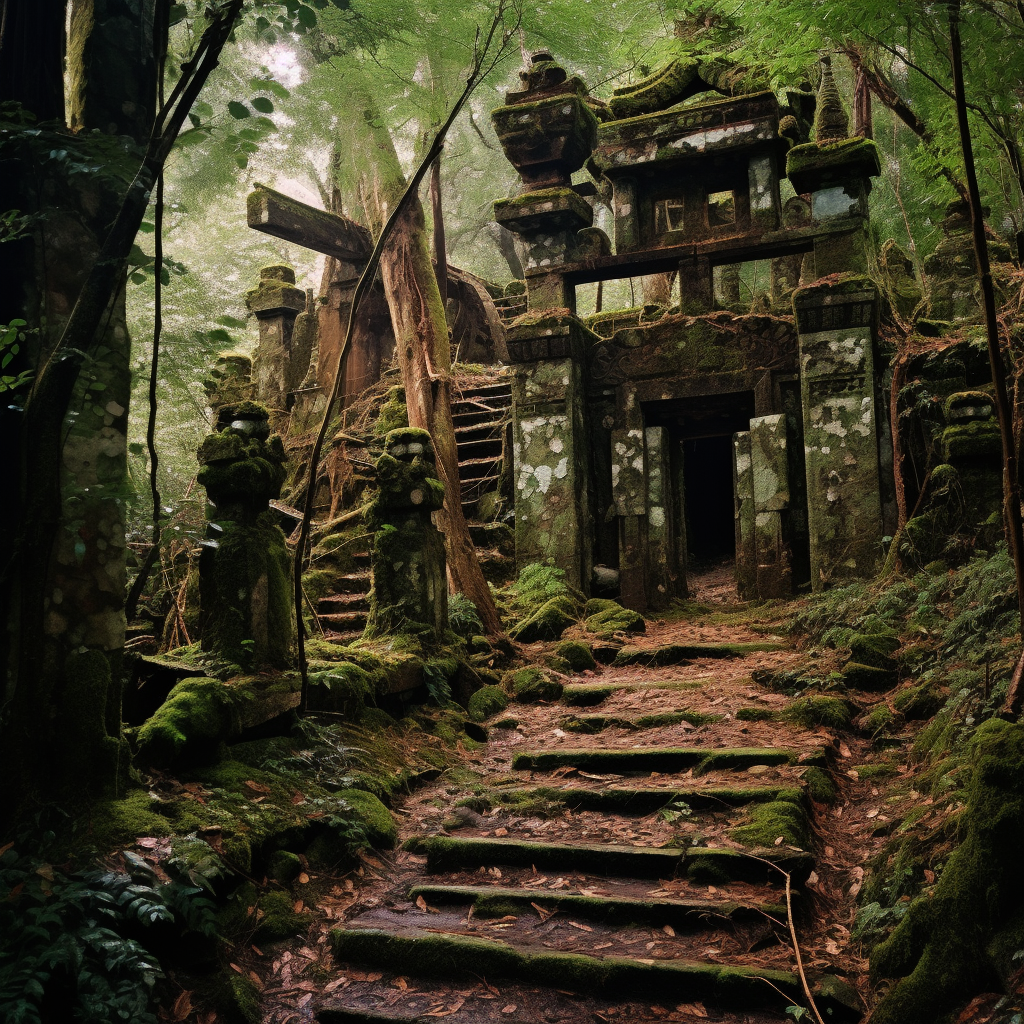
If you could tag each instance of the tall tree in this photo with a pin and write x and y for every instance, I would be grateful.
(80, 148)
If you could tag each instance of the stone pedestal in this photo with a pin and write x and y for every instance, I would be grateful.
(549, 443)
(410, 588)
(836, 331)
(245, 590)
(277, 368)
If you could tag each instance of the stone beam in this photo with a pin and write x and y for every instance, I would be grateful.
(283, 217)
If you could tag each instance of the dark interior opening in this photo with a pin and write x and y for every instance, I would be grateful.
(707, 471)
(700, 430)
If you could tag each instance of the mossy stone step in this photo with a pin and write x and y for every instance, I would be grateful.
(647, 800)
(597, 723)
(448, 853)
(586, 695)
(416, 952)
(675, 654)
(489, 901)
(643, 760)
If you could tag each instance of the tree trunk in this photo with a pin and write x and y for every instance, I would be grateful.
(1011, 490)
(421, 339)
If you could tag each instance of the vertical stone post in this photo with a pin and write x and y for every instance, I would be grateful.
(550, 446)
(627, 235)
(410, 588)
(696, 286)
(743, 511)
(769, 460)
(276, 302)
(661, 541)
(835, 321)
(629, 494)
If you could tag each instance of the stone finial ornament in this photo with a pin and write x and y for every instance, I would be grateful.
(831, 122)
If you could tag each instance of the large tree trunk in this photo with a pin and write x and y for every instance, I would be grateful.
(421, 339)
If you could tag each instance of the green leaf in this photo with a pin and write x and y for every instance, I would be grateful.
(136, 447)
(307, 17)
(230, 321)
(238, 110)
(147, 227)
(263, 104)
(218, 334)
(242, 160)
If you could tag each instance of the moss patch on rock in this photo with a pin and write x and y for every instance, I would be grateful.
(816, 710)
(577, 655)
(770, 821)
(548, 622)
(487, 701)
(961, 939)
(606, 618)
(530, 685)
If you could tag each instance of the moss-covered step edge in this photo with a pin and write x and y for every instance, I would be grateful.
(448, 853)
(591, 724)
(645, 801)
(674, 654)
(414, 952)
(643, 760)
(586, 695)
(658, 911)
(338, 1015)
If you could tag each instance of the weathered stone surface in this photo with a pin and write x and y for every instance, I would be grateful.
(770, 478)
(743, 506)
(550, 447)
(835, 321)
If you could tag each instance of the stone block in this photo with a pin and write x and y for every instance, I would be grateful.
(743, 510)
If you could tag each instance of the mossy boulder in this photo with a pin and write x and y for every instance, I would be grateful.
(820, 786)
(961, 939)
(606, 618)
(198, 714)
(278, 919)
(345, 689)
(755, 715)
(376, 819)
(530, 685)
(576, 655)
(869, 677)
(284, 867)
(876, 650)
(487, 701)
(770, 821)
(548, 622)
(816, 710)
(879, 719)
(918, 702)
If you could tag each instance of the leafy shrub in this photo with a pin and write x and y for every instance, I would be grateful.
(66, 951)
(463, 617)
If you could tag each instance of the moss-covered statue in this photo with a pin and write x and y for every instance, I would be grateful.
(410, 589)
(244, 574)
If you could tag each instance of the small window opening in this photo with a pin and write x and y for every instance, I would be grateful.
(721, 209)
(668, 216)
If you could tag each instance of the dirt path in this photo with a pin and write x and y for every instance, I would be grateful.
(607, 857)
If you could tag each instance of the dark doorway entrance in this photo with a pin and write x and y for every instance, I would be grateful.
(707, 471)
(700, 430)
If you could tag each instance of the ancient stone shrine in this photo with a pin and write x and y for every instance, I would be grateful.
(244, 569)
(640, 433)
(410, 587)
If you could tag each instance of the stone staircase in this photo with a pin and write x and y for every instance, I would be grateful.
(481, 414)
(550, 879)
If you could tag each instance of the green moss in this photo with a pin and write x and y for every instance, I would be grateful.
(393, 415)
(755, 715)
(278, 920)
(769, 821)
(377, 821)
(816, 710)
(244, 999)
(595, 723)
(529, 685)
(548, 622)
(577, 655)
(879, 720)
(487, 701)
(878, 770)
(971, 444)
(947, 948)
(868, 677)
(115, 823)
(875, 650)
(612, 618)
(197, 714)
(918, 702)
(284, 867)
(820, 787)
(344, 689)
(811, 166)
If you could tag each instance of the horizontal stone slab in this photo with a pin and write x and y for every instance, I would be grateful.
(653, 759)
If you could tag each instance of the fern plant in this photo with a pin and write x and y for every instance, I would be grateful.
(67, 945)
